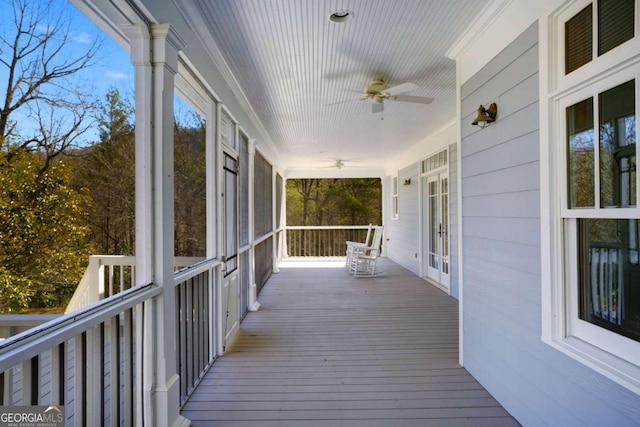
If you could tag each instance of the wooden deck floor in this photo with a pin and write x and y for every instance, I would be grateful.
(327, 349)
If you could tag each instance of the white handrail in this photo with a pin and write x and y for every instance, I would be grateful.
(327, 227)
(91, 287)
(26, 345)
(195, 269)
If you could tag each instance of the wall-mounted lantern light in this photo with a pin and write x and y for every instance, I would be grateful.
(486, 116)
(407, 181)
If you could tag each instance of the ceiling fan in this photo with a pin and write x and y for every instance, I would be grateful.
(378, 91)
(338, 164)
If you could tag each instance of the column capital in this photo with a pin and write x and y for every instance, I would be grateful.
(139, 40)
(166, 45)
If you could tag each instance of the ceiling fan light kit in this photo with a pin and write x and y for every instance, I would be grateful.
(377, 91)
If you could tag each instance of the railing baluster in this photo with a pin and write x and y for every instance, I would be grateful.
(189, 333)
(196, 327)
(201, 324)
(80, 380)
(57, 366)
(323, 241)
(114, 370)
(7, 387)
(182, 330)
(127, 372)
(30, 377)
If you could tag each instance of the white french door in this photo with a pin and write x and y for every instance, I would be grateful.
(436, 227)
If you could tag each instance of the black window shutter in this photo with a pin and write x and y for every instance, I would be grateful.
(579, 39)
(615, 23)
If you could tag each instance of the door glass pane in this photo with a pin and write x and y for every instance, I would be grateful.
(610, 274)
(444, 198)
(618, 146)
(580, 145)
(230, 215)
(433, 223)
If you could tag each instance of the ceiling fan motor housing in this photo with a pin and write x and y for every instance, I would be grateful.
(375, 87)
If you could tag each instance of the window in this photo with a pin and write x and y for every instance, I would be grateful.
(394, 198)
(604, 181)
(435, 161)
(227, 131)
(593, 307)
(614, 26)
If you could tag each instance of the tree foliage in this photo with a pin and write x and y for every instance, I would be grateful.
(43, 113)
(107, 171)
(340, 201)
(43, 233)
(190, 209)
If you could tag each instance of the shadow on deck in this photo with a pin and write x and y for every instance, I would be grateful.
(327, 349)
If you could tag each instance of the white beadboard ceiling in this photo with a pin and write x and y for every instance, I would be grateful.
(296, 68)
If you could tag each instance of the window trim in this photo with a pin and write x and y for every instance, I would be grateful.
(561, 327)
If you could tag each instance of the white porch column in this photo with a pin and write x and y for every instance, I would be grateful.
(165, 397)
(213, 222)
(274, 219)
(155, 57)
(140, 52)
(254, 305)
(285, 248)
(140, 46)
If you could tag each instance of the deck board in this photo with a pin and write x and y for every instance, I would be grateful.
(327, 349)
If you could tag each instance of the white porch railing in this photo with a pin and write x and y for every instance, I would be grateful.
(13, 324)
(196, 316)
(91, 360)
(324, 241)
(108, 275)
(88, 361)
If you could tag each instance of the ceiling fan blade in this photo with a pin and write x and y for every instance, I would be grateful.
(404, 87)
(343, 102)
(409, 98)
(377, 107)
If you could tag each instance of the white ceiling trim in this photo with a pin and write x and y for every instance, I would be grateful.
(346, 172)
(475, 31)
(192, 15)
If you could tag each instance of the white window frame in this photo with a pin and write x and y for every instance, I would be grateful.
(394, 197)
(607, 352)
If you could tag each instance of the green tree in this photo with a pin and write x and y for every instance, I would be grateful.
(340, 201)
(107, 171)
(43, 114)
(190, 209)
(43, 233)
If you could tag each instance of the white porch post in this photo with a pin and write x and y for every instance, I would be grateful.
(274, 219)
(213, 222)
(254, 305)
(140, 52)
(165, 382)
(155, 59)
(285, 248)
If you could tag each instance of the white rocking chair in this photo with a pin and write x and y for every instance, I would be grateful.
(364, 258)
(351, 245)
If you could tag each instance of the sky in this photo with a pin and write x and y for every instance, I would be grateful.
(112, 67)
